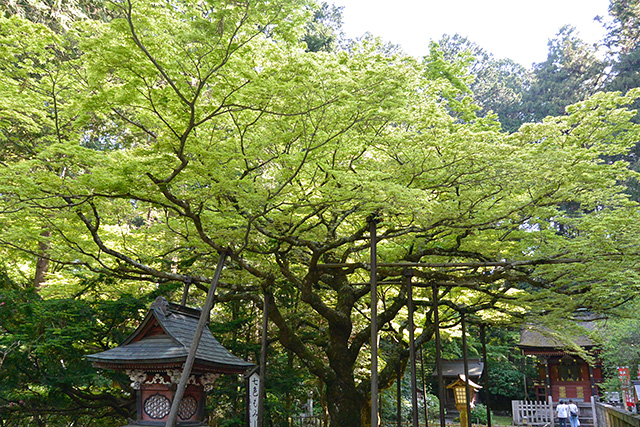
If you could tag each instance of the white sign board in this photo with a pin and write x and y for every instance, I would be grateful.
(612, 397)
(254, 394)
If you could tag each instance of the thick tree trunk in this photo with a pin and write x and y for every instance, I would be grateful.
(345, 405)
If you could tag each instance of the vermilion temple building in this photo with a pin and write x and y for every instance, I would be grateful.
(561, 375)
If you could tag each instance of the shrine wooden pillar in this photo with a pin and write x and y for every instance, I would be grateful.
(592, 381)
(547, 377)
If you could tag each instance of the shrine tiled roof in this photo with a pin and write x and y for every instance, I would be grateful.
(536, 336)
(164, 337)
(454, 368)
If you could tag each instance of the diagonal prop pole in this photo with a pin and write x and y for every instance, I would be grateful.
(188, 364)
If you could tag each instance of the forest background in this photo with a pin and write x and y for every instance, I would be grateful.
(139, 140)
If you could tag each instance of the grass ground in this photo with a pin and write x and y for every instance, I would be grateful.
(501, 420)
(496, 421)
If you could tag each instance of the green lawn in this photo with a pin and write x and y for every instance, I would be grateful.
(498, 420)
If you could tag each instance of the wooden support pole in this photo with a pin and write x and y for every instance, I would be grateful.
(193, 348)
(263, 359)
(185, 291)
(436, 328)
(465, 359)
(399, 396)
(408, 274)
(374, 325)
(424, 391)
(485, 361)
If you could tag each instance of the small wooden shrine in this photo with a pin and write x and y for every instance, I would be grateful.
(153, 358)
(561, 375)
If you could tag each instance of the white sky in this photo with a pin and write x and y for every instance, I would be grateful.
(516, 29)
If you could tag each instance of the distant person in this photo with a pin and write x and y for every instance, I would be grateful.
(573, 414)
(562, 412)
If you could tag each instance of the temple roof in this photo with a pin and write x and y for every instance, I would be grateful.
(535, 336)
(164, 337)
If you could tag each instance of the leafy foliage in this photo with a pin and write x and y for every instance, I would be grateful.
(621, 346)
(57, 15)
(570, 74)
(479, 414)
(178, 131)
(324, 32)
(45, 376)
(498, 85)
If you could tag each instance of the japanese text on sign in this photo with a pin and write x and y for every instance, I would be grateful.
(254, 393)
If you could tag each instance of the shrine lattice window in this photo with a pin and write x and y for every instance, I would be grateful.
(569, 369)
(157, 406)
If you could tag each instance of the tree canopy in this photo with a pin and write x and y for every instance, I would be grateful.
(141, 147)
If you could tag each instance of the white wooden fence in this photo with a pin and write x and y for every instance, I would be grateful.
(541, 414)
(535, 413)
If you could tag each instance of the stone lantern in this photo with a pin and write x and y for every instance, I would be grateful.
(460, 395)
(153, 357)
